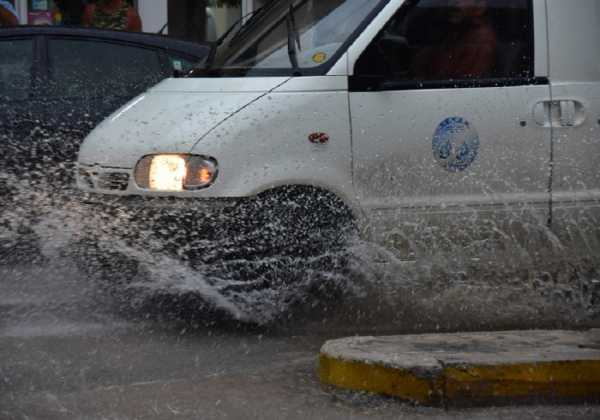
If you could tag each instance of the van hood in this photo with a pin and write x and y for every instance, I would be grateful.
(170, 118)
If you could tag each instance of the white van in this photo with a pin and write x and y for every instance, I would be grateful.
(398, 111)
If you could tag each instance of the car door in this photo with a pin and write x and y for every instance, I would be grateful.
(575, 115)
(444, 134)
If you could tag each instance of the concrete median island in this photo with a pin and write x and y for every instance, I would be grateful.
(469, 368)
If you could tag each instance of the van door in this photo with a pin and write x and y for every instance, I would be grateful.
(575, 84)
(442, 103)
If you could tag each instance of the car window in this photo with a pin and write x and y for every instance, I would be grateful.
(15, 68)
(95, 68)
(436, 40)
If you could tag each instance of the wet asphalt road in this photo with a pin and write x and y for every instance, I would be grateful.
(68, 352)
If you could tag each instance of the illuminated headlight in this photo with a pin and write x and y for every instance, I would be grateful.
(175, 172)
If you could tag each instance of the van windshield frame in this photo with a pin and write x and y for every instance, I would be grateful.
(238, 54)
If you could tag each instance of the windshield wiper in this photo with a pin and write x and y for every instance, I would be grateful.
(293, 41)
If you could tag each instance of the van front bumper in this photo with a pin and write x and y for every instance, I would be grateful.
(183, 228)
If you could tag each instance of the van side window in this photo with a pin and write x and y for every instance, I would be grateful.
(446, 40)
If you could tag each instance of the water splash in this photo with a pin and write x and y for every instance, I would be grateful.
(515, 271)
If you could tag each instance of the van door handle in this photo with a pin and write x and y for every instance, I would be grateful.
(571, 113)
(542, 113)
(559, 113)
(567, 113)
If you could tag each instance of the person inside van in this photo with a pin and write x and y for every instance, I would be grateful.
(8, 14)
(468, 50)
(112, 14)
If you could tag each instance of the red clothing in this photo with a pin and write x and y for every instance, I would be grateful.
(8, 16)
(120, 16)
(467, 53)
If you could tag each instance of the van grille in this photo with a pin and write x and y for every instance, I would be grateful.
(113, 181)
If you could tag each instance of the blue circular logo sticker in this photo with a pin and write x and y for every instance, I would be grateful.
(455, 144)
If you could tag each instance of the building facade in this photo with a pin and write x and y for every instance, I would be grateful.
(174, 17)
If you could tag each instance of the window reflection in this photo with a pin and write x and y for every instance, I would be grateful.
(453, 40)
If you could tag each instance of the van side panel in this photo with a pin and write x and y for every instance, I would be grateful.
(575, 81)
(574, 39)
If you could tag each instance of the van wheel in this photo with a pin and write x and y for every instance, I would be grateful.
(294, 221)
(284, 235)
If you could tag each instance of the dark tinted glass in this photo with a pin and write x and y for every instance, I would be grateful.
(453, 40)
(16, 59)
(94, 68)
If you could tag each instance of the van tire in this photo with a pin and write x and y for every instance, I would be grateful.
(292, 241)
(299, 222)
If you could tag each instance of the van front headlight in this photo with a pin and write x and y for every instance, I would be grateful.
(175, 172)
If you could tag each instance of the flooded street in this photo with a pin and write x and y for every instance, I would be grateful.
(69, 351)
(77, 343)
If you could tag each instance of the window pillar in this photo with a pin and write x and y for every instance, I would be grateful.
(21, 7)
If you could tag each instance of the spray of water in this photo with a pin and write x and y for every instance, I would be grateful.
(512, 270)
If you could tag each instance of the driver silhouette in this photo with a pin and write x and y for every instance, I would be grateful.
(469, 47)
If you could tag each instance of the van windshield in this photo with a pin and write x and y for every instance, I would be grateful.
(291, 37)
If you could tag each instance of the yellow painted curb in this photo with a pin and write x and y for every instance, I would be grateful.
(360, 376)
(557, 380)
(469, 384)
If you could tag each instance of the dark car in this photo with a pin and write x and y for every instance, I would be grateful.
(57, 83)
